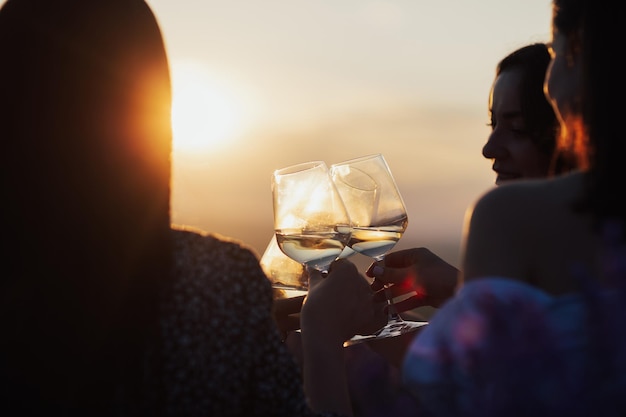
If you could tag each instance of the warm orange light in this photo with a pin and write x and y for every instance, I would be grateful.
(205, 113)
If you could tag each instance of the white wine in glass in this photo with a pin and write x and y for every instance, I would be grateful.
(379, 219)
(311, 223)
(288, 277)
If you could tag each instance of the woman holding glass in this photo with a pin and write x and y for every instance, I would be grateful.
(504, 345)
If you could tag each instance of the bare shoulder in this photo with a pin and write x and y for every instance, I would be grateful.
(524, 200)
(504, 224)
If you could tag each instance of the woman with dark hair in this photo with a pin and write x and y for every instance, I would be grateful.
(524, 126)
(522, 146)
(537, 326)
(105, 309)
(545, 293)
(84, 113)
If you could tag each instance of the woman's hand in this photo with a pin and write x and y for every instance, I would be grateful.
(287, 314)
(341, 305)
(418, 269)
(336, 308)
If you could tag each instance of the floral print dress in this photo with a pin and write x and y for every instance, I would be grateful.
(501, 347)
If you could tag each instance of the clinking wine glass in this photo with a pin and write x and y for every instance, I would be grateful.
(289, 286)
(288, 277)
(379, 219)
(311, 223)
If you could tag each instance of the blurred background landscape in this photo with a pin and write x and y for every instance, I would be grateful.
(262, 85)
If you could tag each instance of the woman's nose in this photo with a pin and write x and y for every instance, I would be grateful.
(494, 148)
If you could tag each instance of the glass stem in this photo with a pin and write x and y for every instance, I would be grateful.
(391, 308)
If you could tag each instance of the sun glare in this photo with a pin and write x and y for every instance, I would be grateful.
(205, 112)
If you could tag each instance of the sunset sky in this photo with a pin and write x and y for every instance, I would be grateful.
(259, 85)
(263, 84)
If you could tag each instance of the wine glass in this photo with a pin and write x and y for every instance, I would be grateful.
(379, 219)
(288, 277)
(311, 223)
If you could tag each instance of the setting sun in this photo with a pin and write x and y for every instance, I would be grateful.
(205, 112)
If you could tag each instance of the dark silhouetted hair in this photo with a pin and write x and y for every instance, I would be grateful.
(595, 28)
(85, 127)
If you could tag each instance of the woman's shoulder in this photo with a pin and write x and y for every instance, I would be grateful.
(212, 256)
(503, 226)
(201, 242)
(525, 195)
(210, 272)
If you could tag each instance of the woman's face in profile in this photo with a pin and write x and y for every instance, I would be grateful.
(511, 145)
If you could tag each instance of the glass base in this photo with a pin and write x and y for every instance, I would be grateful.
(392, 329)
